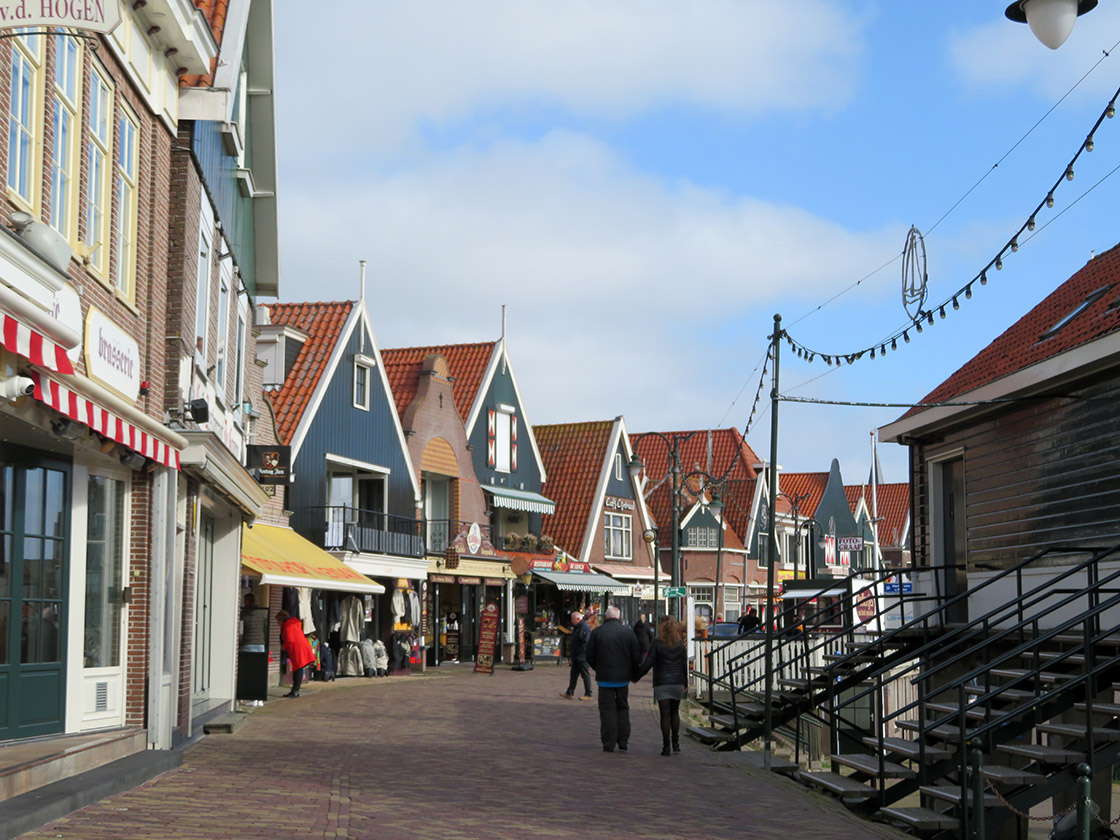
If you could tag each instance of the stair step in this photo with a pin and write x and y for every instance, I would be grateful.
(1073, 730)
(1069, 659)
(946, 732)
(952, 708)
(1074, 639)
(952, 793)
(909, 749)
(709, 736)
(1043, 754)
(1011, 776)
(1015, 673)
(843, 786)
(727, 722)
(919, 819)
(869, 764)
(1010, 695)
(1100, 708)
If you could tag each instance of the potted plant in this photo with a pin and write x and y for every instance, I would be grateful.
(547, 546)
(529, 542)
(511, 542)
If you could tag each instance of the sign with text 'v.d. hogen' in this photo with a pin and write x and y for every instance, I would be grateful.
(92, 15)
(487, 639)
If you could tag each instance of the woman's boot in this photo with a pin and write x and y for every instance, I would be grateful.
(676, 743)
(665, 746)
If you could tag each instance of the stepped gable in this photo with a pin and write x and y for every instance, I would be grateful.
(573, 455)
(323, 323)
(467, 364)
(1023, 345)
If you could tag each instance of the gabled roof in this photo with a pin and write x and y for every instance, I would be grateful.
(893, 503)
(1023, 344)
(324, 324)
(573, 455)
(660, 503)
(714, 451)
(796, 485)
(467, 364)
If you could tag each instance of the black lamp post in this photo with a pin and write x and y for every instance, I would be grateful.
(795, 501)
(650, 536)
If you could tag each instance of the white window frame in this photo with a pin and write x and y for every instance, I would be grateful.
(225, 279)
(732, 601)
(763, 550)
(66, 147)
(202, 288)
(618, 466)
(239, 350)
(126, 177)
(503, 440)
(621, 525)
(98, 154)
(361, 400)
(26, 120)
(710, 536)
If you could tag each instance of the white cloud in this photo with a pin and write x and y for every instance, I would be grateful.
(393, 67)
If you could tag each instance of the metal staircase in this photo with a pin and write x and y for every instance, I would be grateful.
(994, 713)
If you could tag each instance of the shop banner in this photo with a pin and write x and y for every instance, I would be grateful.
(487, 639)
(520, 638)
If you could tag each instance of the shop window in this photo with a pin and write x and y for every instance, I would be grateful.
(618, 530)
(105, 558)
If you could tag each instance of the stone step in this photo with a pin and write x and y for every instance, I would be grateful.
(869, 764)
(225, 724)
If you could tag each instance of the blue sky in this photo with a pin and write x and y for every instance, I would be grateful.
(645, 183)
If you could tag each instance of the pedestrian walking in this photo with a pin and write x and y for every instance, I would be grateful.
(295, 644)
(577, 653)
(668, 658)
(748, 621)
(613, 653)
(644, 634)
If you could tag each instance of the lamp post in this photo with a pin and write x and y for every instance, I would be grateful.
(677, 483)
(795, 501)
(1051, 21)
(715, 507)
(650, 536)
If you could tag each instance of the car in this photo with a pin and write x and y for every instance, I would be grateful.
(724, 630)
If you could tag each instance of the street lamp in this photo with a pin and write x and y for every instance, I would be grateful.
(636, 465)
(715, 507)
(650, 536)
(795, 501)
(1051, 21)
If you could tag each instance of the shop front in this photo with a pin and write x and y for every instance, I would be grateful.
(458, 590)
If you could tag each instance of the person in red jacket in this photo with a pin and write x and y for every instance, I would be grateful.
(295, 644)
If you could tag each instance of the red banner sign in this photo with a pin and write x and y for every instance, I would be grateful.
(487, 639)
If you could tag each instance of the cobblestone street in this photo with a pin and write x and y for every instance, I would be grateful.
(452, 755)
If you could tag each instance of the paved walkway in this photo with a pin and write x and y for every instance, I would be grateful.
(452, 756)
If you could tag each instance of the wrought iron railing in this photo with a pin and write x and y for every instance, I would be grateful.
(366, 531)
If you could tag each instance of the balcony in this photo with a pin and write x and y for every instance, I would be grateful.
(364, 531)
(439, 534)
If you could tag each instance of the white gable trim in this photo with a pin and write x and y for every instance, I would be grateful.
(600, 495)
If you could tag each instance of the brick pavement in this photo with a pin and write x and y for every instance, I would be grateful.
(453, 756)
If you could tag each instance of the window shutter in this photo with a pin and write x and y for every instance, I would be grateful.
(490, 431)
(513, 443)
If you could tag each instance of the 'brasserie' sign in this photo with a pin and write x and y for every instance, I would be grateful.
(93, 15)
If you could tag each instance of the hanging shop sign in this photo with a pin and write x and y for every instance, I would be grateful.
(90, 15)
(441, 578)
(487, 639)
(470, 581)
(558, 564)
(865, 605)
(849, 543)
(112, 356)
(474, 538)
(270, 464)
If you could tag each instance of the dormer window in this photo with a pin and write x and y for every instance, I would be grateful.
(361, 386)
(1077, 310)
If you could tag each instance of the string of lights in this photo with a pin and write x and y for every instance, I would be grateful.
(926, 317)
(758, 393)
(731, 407)
(815, 401)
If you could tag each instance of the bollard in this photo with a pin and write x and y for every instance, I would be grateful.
(1084, 801)
(977, 762)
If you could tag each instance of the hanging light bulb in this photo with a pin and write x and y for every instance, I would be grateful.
(942, 313)
(894, 343)
(872, 352)
(1069, 174)
(983, 279)
(906, 336)
(882, 349)
(918, 324)
(1050, 199)
(999, 264)
(1030, 223)
(1110, 111)
(956, 304)
(827, 360)
(929, 316)
(1089, 143)
(968, 292)
(1014, 244)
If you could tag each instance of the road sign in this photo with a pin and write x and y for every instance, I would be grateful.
(894, 588)
(674, 591)
(850, 543)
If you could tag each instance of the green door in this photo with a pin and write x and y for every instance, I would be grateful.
(34, 537)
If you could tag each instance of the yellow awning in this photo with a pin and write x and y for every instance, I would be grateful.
(284, 558)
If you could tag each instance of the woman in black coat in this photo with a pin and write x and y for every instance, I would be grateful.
(668, 658)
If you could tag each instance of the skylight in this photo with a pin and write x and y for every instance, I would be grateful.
(1092, 298)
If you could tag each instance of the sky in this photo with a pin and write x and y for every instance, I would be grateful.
(645, 184)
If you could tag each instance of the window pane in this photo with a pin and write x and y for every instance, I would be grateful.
(104, 572)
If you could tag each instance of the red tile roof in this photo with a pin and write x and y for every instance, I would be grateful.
(797, 485)
(1022, 345)
(466, 362)
(893, 502)
(729, 453)
(573, 455)
(215, 12)
(323, 324)
(736, 498)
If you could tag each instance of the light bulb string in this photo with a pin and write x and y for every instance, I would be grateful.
(926, 317)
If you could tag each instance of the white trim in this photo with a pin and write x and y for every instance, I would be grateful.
(384, 565)
(353, 462)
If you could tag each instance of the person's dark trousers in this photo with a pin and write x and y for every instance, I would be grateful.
(580, 669)
(614, 716)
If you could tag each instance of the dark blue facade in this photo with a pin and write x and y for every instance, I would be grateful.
(622, 487)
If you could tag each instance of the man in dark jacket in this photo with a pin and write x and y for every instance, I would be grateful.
(644, 634)
(577, 652)
(613, 653)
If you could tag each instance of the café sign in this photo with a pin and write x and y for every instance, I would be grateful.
(112, 356)
(91, 15)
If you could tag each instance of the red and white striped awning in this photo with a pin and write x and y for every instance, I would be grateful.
(79, 408)
(32, 345)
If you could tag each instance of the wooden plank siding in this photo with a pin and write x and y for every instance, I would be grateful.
(1045, 472)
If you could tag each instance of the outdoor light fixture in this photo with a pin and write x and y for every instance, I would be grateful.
(133, 460)
(67, 429)
(1051, 21)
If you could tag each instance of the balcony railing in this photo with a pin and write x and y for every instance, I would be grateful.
(440, 533)
(366, 531)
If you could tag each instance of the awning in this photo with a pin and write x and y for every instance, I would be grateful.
(208, 458)
(623, 570)
(810, 593)
(583, 582)
(524, 500)
(76, 407)
(32, 345)
(284, 558)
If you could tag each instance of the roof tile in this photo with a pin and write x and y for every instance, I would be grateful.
(467, 364)
(573, 455)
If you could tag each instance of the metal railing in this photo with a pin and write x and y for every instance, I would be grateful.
(365, 531)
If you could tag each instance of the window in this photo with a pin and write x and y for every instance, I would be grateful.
(105, 559)
(617, 535)
(23, 118)
(64, 150)
(223, 333)
(705, 597)
(98, 150)
(618, 466)
(124, 275)
(202, 302)
(1092, 298)
(732, 602)
(763, 551)
(239, 373)
(502, 429)
(702, 537)
(361, 386)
